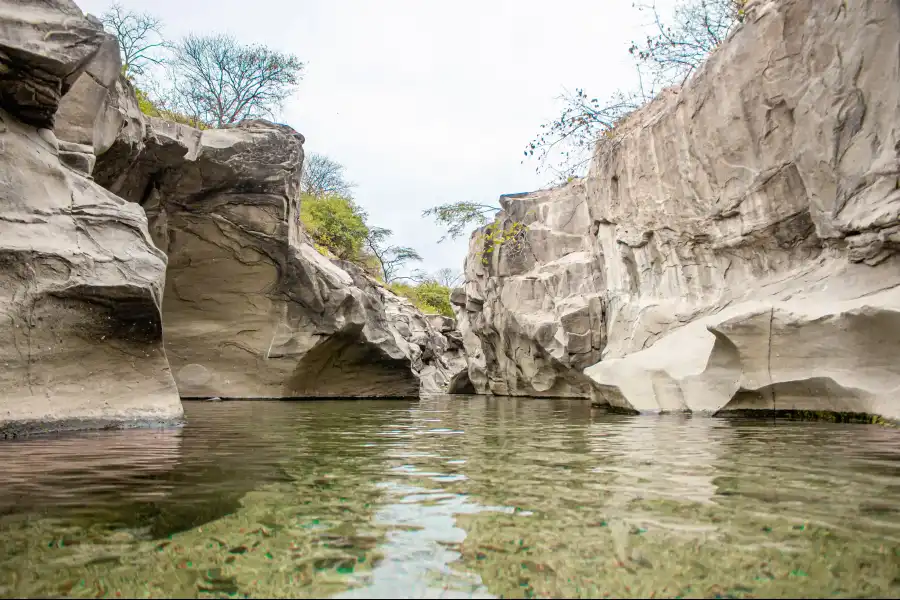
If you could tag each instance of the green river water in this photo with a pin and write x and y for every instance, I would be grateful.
(452, 497)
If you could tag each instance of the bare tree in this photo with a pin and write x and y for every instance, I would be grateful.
(448, 277)
(322, 176)
(675, 51)
(391, 258)
(570, 139)
(139, 34)
(219, 81)
(564, 146)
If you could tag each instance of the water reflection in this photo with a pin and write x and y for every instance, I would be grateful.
(452, 497)
(70, 472)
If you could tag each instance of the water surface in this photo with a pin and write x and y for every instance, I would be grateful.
(452, 497)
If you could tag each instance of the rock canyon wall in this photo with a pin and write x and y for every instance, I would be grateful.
(734, 245)
(137, 255)
(81, 282)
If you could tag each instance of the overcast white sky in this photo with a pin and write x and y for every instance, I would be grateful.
(426, 101)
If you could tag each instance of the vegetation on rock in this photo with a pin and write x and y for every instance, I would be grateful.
(210, 80)
(496, 236)
(152, 109)
(669, 55)
(336, 224)
(430, 296)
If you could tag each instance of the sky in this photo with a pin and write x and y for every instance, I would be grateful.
(425, 101)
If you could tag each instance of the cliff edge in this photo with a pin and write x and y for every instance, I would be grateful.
(733, 246)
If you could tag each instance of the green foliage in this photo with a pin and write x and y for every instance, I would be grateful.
(428, 296)
(338, 226)
(495, 236)
(459, 217)
(153, 109)
(335, 223)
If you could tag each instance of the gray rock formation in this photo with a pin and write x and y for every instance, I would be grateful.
(81, 282)
(251, 309)
(94, 197)
(531, 312)
(733, 247)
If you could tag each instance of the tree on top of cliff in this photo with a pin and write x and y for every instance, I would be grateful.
(669, 55)
(219, 81)
(322, 175)
(572, 136)
(459, 217)
(139, 35)
(391, 259)
(677, 50)
(448, 277)
(335, 224)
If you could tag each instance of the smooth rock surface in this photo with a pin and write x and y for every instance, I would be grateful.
(80, 294)
(81, 282)
(733, 247)
(251, 309)
(86, 113)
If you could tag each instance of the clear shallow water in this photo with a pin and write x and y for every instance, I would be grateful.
(452, 497)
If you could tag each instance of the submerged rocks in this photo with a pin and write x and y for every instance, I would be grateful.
(81, 282)
(732, 247)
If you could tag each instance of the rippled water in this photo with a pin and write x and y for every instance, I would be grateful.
(452, 497)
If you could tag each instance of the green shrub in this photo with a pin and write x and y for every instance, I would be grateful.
(151, 109)
(337, 224)
(429, 296)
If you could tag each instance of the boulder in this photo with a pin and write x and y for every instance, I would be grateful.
(87, 114)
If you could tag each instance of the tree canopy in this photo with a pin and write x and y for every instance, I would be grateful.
(213, 79)
(139, 35)
(221, 81)
(458, 218)
(322, 175)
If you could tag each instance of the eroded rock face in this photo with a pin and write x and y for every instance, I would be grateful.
(531, 313)
(81, 282)
(44, 47)
(251, 309)
(733, 247)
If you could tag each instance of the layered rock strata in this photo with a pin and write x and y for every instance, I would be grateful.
(252, 309)
(734, 245)
(81, 282)
(115, 228)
